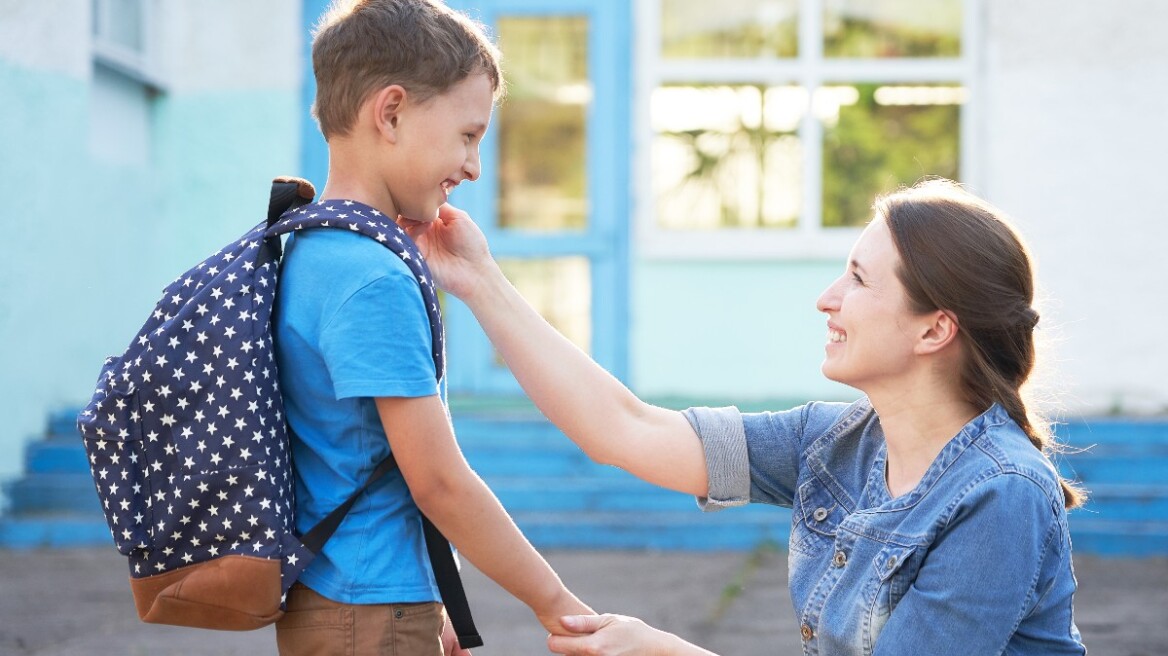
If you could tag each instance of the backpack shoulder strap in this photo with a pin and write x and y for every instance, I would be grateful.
(288, 193)
(361, 218)
(366, 220)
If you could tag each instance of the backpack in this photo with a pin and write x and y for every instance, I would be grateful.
(188, 444)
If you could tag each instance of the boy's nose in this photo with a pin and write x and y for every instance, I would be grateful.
(472, 167)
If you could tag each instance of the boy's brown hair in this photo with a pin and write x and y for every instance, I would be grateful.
(361, 46)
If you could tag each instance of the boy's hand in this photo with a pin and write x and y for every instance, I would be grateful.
(453, 246)
(568, 604)
(450, 646)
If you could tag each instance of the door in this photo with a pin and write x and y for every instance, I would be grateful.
(553, 195)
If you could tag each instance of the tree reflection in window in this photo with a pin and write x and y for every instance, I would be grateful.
(892, 28)
(887, 136)
(729, 28)
(719, 160)
(727, 156)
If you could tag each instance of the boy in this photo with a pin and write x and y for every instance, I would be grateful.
(405, 90)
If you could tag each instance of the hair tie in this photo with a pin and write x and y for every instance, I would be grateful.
(1030, 318)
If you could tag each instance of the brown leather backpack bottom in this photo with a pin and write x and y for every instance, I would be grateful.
(232, 593)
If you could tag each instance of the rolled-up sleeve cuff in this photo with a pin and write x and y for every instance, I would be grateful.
(727, 464)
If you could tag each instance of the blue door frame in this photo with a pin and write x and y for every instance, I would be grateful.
(472, 369)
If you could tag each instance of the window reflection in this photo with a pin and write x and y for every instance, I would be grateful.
(877, 137)
(892, 28)
(542, 123)
(729, 28)
(560, 289)
(727, 156)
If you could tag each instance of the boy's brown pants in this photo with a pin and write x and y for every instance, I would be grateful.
(316, 626)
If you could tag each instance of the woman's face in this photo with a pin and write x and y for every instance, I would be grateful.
(870, 330)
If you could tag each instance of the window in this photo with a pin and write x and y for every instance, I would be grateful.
(768, 126)
(125, 81)
(543, 190)
(542, 125)
(123, 37)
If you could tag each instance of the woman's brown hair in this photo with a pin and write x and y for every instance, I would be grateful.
(960, 254)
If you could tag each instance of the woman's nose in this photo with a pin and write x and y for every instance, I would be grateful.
(828, 300)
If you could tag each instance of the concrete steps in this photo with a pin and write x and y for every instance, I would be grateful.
(561, 499)
(1123, 463)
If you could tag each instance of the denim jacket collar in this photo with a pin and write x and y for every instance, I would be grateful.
(877, 484)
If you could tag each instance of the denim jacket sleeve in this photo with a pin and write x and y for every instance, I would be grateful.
(984, 573)
(755, 458)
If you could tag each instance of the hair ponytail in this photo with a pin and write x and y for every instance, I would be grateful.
(976, 267)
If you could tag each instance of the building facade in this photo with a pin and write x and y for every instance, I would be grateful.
(671, 182)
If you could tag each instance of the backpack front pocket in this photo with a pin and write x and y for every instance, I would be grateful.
(111, 432)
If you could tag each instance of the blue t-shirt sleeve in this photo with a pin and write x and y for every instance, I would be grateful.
(378, 343)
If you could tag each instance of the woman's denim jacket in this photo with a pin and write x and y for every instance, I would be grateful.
(975, 560)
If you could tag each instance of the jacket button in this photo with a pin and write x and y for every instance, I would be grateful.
(840, 559)
(806, 632)
(820, 514)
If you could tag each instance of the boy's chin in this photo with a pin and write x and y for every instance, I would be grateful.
(428, 216)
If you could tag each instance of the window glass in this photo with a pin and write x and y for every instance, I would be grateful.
(120, 23)
(892, 28)
(729, 28)
(560, 289)
(728, 153)
(727, 156)
(542, 123)
(879, 136)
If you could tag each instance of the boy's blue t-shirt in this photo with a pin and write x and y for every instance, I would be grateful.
(350, 325)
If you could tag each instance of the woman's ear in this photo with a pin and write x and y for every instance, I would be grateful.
(386, 109)
(940, 330)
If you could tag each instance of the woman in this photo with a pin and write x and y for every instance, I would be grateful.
(927, 518)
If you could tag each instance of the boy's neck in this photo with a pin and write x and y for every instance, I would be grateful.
(360, 193)
(352, 177)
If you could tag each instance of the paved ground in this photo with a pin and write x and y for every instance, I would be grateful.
(76, 602)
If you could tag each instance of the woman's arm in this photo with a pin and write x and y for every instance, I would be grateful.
(587, 403)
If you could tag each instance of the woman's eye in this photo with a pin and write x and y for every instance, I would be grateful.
(857, 278)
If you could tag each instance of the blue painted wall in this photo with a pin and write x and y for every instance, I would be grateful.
(88, 241)
(733, 332)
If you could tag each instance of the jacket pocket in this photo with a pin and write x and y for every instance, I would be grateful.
(896, 570)
(816, 518)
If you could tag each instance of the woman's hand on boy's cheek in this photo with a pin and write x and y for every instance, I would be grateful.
(415, 229)
(453, 246)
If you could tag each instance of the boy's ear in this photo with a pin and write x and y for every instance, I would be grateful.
(386, 108)
(940, 330)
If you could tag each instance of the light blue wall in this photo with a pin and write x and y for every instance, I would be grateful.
(731, 332)
(86, 246)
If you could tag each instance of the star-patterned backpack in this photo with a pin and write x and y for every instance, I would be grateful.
(188, 445)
